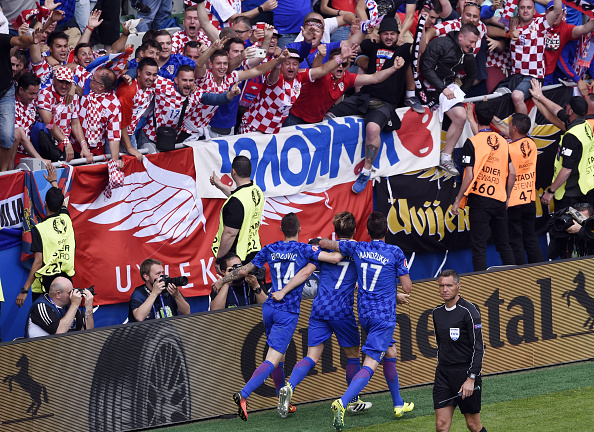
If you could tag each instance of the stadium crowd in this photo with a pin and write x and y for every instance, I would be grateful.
(238, 67)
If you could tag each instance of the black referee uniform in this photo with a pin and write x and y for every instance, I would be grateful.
(460, 353)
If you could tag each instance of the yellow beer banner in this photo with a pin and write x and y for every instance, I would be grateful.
(180, 369)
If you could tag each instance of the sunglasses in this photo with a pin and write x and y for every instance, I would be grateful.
(345, 64)
(316, 24)
(582, 206)
(472, 4)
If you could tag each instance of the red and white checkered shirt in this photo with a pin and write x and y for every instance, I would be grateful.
(81, 75)
(454, 25)
(180, 39)
(199, 115)
(527, 52)
(499, 60)
(62, 114)
(271, 108)
(100, 118)
(25, 116)
(44, 71)
(236, 4)
(138, 99)
(168, 106)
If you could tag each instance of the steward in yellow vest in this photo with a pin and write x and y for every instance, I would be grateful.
(53, 244)
(239, 221)
(487, 183)
(521, 211)
(573, 178)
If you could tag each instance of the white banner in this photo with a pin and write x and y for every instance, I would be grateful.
(321, 155)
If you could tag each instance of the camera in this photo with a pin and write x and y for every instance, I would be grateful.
(177, 281)
(91, 290)
(140, 6)
(564, 218)
(260, 273)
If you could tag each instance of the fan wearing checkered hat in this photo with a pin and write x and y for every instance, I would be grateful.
(26, 93)
(282, 88)
(61, 119)
(527, 47)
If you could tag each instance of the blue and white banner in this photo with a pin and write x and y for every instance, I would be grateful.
(321, 155)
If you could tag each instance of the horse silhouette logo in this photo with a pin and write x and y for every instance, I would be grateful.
(28, 384)
(582, 297)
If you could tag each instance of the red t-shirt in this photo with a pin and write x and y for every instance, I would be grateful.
(555, 40)
(317, 97)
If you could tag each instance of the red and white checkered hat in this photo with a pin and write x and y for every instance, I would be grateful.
(63, 73)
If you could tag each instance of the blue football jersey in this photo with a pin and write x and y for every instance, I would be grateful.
(285, 260)
(378, 266)
(336, 290)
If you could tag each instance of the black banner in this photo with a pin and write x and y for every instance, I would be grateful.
(418, 204)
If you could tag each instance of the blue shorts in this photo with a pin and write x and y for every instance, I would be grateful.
(380, 335)
(346, 331)
(279, 326)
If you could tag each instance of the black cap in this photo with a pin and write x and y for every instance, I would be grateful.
(54, 199)
(388, 24)
(579, 105)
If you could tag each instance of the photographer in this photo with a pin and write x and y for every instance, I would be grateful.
(241, 292)
(60, 311)
(571, 232)
(154, 299)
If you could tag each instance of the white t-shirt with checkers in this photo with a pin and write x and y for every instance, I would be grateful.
(271, 108)
(527, 52)
(180, 39)
(199, 115)
(100, 118)
(168, 106)
(62, 114)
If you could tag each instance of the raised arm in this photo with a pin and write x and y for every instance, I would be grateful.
(377, 77)
(209, 29)
(263, 68)
(331, 64)
(295, 281)
(238, 273)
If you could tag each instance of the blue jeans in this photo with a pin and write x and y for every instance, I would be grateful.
(160, 11)
(7, 120)
(341, 33)
(82, 11)
(292, 120)
(286, 39)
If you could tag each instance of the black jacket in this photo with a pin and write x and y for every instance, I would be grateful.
(443, 59)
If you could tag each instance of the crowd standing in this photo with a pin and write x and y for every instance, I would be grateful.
(65, 96)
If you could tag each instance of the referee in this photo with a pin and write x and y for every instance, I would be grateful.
(460, 350)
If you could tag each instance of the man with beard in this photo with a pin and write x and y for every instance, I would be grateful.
(317, 97)
(61, 119)
(377, 102)
(281, 89)
(527, 48)
(441, 63)
(191, 32)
